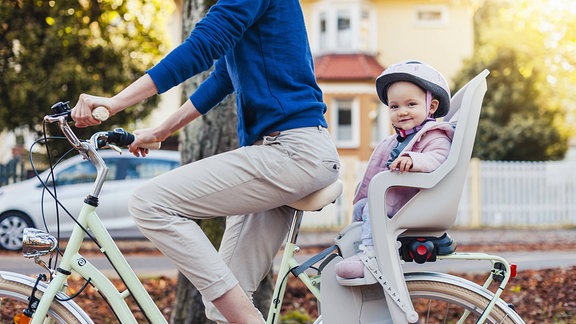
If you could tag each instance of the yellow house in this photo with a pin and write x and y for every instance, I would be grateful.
(354, 40)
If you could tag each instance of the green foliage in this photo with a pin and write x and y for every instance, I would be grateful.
(524, 111)
(53, 51)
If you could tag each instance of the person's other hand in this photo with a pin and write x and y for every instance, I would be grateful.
(143, 138)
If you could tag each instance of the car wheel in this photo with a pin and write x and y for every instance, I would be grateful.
(12, 224)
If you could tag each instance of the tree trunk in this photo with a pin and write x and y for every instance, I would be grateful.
(212, 134)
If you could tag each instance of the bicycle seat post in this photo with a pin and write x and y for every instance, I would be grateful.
(313, 202)
(295, 226)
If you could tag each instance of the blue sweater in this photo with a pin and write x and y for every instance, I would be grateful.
(262, 54)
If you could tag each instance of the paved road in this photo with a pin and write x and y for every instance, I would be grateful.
(154, 265)
(147, 266)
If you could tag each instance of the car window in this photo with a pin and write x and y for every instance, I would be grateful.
(84, 172)
(139, 168)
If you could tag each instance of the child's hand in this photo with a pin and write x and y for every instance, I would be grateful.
(402, 164)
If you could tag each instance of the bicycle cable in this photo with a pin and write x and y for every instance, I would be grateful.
(53, 191)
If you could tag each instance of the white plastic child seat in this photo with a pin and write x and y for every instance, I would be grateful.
(434, 208)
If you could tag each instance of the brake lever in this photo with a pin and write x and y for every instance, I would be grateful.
(101, 140)
(115, 148)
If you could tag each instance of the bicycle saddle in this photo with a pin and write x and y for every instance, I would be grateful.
(319, 199)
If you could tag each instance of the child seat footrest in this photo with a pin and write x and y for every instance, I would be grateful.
(421, 249)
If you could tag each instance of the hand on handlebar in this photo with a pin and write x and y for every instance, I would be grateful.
(82, 112)
(144, 139)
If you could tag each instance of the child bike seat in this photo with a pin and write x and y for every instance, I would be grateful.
(319, 199)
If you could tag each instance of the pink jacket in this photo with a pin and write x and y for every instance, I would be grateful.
(428, 149)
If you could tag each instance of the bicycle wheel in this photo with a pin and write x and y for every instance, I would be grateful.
(442, 298)
(14, 299)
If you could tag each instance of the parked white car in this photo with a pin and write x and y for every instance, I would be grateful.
(21, 203)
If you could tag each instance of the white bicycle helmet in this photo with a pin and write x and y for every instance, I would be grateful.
(422, 74)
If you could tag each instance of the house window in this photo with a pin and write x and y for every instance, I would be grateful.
(366, 30)
(323, 37)
(430, 16)
(344, 31)
(346, 123)
(343, 27)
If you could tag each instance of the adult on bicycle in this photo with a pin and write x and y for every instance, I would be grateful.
(262, 54)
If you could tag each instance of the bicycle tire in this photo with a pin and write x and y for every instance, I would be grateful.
(432, 291)
(14, 299)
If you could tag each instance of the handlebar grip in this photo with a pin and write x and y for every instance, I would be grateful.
(101, 113)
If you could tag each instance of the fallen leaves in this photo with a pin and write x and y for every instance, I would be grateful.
(539, 296)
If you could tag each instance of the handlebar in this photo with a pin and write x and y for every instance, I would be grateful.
(113, 139)
(88, 149)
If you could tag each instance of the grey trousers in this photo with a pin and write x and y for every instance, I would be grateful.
(251, 185)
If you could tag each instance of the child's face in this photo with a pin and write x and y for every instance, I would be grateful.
(407, 103)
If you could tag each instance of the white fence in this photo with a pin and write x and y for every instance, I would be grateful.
(522, 194)
(506, 194)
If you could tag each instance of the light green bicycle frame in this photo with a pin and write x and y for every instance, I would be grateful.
(73, 261)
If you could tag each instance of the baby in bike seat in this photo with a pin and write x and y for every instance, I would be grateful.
(416, 94)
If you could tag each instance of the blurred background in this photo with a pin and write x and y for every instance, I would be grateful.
(523, 174)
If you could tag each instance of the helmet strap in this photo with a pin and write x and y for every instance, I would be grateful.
(428, 102)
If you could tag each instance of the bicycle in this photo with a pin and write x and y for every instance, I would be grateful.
(46, 300)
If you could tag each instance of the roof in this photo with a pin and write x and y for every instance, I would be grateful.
(347, 67)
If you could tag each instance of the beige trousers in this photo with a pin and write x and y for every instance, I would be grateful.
(252, 185)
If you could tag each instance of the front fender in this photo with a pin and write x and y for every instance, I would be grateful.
(42, 286)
